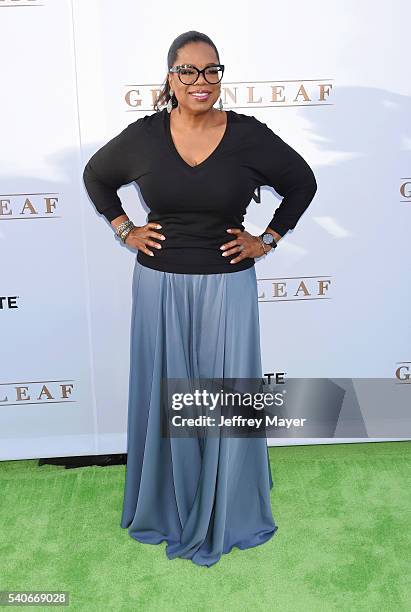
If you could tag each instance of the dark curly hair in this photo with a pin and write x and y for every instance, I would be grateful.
(176, 45)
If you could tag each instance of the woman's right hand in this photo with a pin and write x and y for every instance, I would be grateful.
(140, 238)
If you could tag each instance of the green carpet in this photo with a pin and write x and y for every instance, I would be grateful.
(343, 539)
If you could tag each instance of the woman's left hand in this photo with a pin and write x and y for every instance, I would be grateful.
(245, 244)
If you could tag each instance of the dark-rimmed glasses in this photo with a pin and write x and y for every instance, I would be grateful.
(188, 73)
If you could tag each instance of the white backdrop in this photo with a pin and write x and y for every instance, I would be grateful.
(327, 77)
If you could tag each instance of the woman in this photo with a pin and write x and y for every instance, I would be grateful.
(195, 304)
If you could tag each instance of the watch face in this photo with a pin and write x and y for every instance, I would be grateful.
(268, 238)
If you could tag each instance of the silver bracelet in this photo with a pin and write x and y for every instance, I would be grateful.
(263, 245)
(123, 230)
(126, 232)
(123, 226)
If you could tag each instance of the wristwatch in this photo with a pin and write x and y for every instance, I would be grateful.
(269, 239)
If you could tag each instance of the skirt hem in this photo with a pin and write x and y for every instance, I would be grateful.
(241, 545)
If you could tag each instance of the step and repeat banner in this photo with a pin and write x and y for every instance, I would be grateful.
(334, 296)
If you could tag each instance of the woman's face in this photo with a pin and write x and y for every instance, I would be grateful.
(199, 54)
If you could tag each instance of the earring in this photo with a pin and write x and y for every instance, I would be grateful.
(170, 102)
(220, 104)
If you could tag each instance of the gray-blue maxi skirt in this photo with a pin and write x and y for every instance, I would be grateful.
(201, 497)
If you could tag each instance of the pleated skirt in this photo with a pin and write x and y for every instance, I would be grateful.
(202, 496)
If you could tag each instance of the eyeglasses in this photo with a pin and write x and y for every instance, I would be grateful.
(188, 74)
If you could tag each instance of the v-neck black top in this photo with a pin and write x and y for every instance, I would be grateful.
(195, 205)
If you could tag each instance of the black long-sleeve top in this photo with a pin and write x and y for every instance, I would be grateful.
(195, 205)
